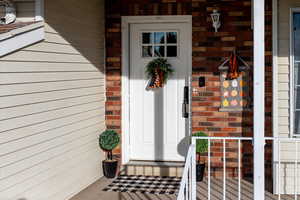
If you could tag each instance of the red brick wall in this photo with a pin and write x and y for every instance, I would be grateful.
(209, 48)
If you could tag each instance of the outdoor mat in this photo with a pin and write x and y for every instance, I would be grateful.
(144, 184)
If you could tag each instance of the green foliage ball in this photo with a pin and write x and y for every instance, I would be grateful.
(109, 140)
(163, 65)
(201, 144)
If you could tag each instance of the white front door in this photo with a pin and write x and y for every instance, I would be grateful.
(158, 130)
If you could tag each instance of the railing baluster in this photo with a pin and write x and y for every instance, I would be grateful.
(190, 179)
(296, 172)
(188, 188)
(188, 191)
(279, 171)
(208, 171)
(239, 169)
(194, 184)
(224, 169)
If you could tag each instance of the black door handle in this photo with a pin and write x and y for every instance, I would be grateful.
(185, 105)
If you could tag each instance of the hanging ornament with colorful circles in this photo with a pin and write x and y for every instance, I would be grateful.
(235, 92)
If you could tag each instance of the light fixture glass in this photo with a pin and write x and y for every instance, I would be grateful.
(215, 16)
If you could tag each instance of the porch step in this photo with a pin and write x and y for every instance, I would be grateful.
(147, 168)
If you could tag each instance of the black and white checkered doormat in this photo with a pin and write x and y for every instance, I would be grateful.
(145, 184)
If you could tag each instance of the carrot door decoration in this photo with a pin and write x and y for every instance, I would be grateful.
(156, 79)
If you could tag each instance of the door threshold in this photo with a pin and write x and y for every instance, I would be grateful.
(155, 163)
(153, 168)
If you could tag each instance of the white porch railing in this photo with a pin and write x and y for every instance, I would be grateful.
(286, 168)
(188, 178)
(188, 182)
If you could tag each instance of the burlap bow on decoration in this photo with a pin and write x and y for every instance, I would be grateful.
(233, 71)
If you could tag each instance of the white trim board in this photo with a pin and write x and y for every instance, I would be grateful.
(275, 86)
(21, 30)
(291, 74)
(19, 38)
(126, 21)
(275, 67)
(22, 37)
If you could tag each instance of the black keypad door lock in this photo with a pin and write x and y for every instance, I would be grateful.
(185, 105)
(202, 81)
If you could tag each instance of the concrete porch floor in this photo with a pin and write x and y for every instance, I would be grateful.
(94, 192)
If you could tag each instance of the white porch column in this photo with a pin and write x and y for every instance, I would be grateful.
(259, 98)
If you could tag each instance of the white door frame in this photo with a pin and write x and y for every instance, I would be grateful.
(126, 21)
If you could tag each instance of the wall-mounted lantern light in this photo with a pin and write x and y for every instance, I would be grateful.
(215, 16)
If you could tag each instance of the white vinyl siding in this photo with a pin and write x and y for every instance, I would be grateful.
(283, 60)
(25, 10)
(284, 100)
(283, 67)
(52, 102)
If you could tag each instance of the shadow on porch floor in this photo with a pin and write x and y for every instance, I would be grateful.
(95, 192)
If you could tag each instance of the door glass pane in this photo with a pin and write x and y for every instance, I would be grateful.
(159, 51)
(297, 36)
(159, 37)
(297, 122)
(147, 38)
(171, 51)
(297, 73)
(297, 97)
(159, 44)
(171, 37)
(147, 51)
(296, 44)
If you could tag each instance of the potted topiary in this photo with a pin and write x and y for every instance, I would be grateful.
(108, 141)
(201, 147)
